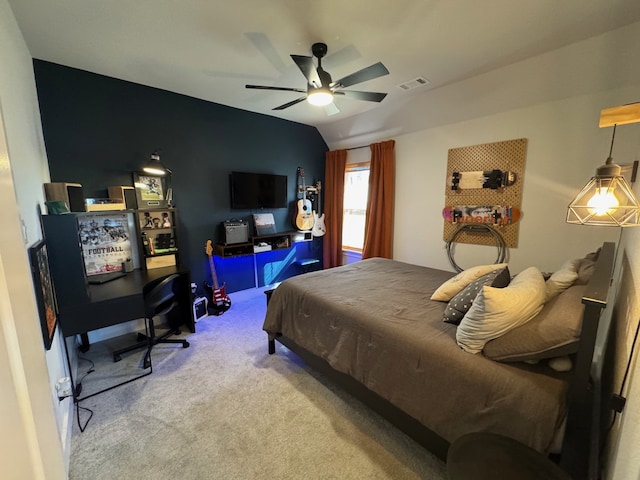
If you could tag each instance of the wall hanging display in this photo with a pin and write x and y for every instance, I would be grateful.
(43, 285)
(151, 191)
(484, 186)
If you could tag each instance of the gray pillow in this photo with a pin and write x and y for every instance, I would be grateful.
(585, 269)
(461, 302)
(555, 331)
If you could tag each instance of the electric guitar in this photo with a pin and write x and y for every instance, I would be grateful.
(319, 228)
(303, 219)
(219, 301)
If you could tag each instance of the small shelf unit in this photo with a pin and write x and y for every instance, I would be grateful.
(158, 236)
(257, 244)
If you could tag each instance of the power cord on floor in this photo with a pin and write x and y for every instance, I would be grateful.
(77, 394)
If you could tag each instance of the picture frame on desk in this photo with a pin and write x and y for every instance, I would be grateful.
(43, 287)
(151, 191)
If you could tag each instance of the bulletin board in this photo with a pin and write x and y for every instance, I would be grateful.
(506, 156)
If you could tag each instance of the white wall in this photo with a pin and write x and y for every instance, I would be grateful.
(35, 425)
(565, 146)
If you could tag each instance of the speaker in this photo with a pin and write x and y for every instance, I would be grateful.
(69, 193)
(235, 231)
(200, 308)
(126, 195)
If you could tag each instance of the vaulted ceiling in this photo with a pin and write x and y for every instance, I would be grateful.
(211, 50)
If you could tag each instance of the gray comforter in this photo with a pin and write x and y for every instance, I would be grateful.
(374, 321)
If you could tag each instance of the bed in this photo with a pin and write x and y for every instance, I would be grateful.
(373, 327)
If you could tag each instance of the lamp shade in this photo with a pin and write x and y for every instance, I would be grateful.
(155, 166)
(607, 200)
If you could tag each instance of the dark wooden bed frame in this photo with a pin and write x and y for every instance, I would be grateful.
(583, 436)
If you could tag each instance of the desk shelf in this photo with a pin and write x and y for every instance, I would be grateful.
(158, 237)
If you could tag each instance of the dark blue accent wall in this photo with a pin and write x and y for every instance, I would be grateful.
(98, 130)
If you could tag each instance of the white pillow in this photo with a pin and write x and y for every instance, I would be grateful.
(453, 286)
(562, 279)
(495, 311)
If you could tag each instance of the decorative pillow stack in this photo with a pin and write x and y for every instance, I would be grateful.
(495, 311)
(523, 319)
(462, 301)
(451, 287)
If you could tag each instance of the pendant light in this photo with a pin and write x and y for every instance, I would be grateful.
(607, 199)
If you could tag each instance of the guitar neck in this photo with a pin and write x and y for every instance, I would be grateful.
(214, 277)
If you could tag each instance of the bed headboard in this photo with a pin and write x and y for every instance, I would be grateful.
(582, 441)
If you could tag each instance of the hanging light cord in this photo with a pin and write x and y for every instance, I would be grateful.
(613, 136)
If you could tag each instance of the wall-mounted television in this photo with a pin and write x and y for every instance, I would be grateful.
(257, 190)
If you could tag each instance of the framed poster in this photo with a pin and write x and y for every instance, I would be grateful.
(106, 241)
(151, 191)
(43, 286)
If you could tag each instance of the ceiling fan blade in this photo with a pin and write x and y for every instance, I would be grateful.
(282, 89)
(368, 96)
(331, 109)
(372, 71)
(308, 69)
(287, 105)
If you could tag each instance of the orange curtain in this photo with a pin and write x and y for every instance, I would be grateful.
(333, 207)
(378, 228)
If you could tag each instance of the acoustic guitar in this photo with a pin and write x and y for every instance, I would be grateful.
(219, 301)
(303, 219)
(319, 228)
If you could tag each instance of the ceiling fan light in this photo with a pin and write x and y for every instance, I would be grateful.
(320, 97)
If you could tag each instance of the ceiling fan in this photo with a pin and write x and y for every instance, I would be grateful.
(321, 89)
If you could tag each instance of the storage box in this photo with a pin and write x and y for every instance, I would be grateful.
(261, 248)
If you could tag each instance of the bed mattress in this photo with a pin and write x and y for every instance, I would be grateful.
(374, 320)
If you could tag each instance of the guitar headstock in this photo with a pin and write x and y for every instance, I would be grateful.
(301, 172)
(209, 248)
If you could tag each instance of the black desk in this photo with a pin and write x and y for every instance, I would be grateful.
(119, 301)
(83, 308)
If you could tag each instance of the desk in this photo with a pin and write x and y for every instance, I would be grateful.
(119, 301)
(83, 307)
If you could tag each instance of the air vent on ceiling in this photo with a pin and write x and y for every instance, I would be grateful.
(415, 83)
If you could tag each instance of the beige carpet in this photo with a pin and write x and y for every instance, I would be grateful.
(225, 409)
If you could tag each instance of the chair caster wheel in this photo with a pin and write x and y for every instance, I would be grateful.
(117, 358)
(185, 345)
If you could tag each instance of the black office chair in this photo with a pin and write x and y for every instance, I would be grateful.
(159, 299)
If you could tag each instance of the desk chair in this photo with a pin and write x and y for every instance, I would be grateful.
(159, 299)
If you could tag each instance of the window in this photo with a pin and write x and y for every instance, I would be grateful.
(356, 191)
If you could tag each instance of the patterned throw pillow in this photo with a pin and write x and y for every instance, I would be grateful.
(461, 303)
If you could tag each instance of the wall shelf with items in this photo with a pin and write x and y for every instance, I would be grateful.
(257, 244)
(158, 234)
